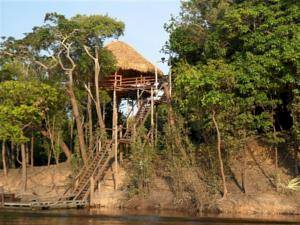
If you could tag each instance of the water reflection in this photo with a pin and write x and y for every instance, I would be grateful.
(96, 217)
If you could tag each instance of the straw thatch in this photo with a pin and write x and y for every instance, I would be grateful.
(129, 59)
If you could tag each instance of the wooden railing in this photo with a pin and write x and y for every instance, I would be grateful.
(127, 83)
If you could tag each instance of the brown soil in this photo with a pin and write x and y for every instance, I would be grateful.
(261, 195)
(43, 182)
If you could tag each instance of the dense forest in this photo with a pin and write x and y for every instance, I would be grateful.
(237, 75)
(235, 69)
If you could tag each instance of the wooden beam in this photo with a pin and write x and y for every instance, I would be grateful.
(156, 123)
(121, 145)
(92, 191)
(152, 116)
(115, 136)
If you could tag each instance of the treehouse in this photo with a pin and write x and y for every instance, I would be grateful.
(136, 80)
(134, 73)
(141, 82)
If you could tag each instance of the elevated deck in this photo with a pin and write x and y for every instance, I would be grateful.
(124, 84)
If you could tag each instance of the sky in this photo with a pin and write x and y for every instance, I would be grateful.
(144, 19)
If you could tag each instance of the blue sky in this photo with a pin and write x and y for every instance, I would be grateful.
(144, 19)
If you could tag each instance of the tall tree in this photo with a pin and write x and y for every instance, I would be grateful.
(23, 106)
(64, 41)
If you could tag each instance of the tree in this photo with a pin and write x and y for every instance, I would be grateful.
(23, 106)
(189, 30)
(210, 88)
(65, 41)
(257, 42)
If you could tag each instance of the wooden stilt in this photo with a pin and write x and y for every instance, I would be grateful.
(121, 146)
(104, 112)
(138, 98)
(92, 194)
(115, 135)
(99, 188)
(156, 123)
(127, 112)
(152, 116)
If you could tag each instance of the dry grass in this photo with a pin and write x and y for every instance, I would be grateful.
(129, 59)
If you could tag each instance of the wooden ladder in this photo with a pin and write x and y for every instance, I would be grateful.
(139, 119)
(96, 166)
(99, 161)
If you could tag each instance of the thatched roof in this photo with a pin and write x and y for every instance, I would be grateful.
(129, 59)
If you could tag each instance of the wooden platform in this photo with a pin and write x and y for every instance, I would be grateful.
(46, 205)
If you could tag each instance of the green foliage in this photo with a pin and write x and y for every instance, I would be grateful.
(240, 60)
(248, 60)
(35, 58)
(23, 104)
(189, 30)
(142, 165)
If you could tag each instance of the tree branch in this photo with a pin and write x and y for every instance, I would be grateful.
(90, 93)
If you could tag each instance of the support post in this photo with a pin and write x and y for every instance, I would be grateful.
(121, 145)
(104, 112)
(127, 112)
(156, 123)
(138, 98)
(115, 135)
(99, 188)
(152, 116)
(92, 193)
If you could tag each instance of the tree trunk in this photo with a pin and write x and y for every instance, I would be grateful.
(98, 103)
(90, 120)
(296, 160)
(4, 159)
(220, 154)
(12, 155)
(49, 157)
(71, 133)
(24, 169)
(171, 120)
(27, 153)
(244, 169)
(61, 143)
(31, 151)
(276, 167)
(96, 79)
(78, 120)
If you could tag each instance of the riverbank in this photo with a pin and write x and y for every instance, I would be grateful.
(261, 196)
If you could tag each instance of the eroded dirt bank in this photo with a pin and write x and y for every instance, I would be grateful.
(261, 196)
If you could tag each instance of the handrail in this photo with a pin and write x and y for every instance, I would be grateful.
(147, 101)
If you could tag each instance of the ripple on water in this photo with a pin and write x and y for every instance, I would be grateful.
(84, 217)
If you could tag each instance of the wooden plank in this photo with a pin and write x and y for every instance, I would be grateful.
(115, 137)
(46, 204)
(16, 205)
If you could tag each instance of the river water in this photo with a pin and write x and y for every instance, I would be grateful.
(96, 217)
